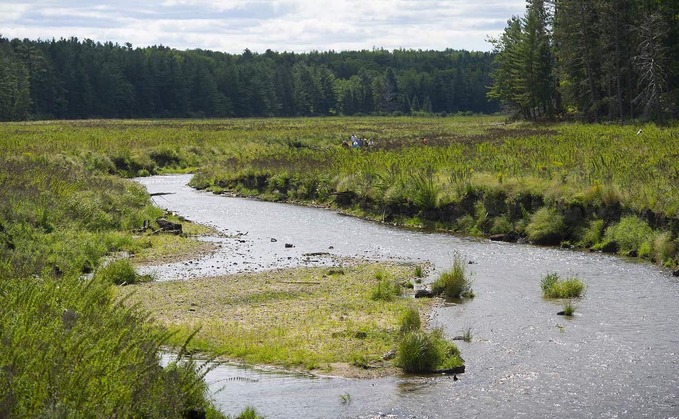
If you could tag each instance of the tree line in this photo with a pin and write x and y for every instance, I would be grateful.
(599, 60)
(74, 79)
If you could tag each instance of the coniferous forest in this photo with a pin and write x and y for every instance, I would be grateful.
(597, 60)
(594, 60)
(74, 79)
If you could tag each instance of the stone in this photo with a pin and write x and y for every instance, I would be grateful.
(424, 293)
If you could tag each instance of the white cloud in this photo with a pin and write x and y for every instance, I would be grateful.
(280, 25)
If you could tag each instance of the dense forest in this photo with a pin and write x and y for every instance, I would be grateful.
(74, 79)
(599, 60)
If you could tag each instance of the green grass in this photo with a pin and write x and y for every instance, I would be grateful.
(296, 318)
(454, 283)
(476, 176)
(68, 349)
(409, 320)
(384, 289)
(568, 308)
(554, 287)
(424, 352)
(120, 272)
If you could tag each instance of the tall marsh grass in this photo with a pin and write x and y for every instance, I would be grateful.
(69, 350)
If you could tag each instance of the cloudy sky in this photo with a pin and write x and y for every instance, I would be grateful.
(280, 25)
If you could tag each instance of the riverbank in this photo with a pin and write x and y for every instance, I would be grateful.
(319, 320)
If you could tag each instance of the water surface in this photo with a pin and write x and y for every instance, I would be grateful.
(618, 357)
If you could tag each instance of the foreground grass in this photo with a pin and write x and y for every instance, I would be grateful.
(294, 318)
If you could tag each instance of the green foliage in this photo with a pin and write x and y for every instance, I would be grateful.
(632, 236)
(120, 272)
(467, 335)
(546, 227)
(249, 413)
(593, 234)
(385, 289)
(409, 320)
(553, 287)
(422, 352)
(568, 308)
(68, 349)
(454, 283)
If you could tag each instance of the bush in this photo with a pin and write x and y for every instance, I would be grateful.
(553, 287)
(454, 283)
(546, 226)
(120, 272)
(409, 320)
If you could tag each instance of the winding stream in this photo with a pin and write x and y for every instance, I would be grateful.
(618, 357)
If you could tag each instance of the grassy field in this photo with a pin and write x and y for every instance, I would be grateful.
(311, 318)
(570, 184)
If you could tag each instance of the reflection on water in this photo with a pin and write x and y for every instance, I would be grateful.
(618, 357)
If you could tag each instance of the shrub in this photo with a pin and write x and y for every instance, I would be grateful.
(546, 226)
(409, 320)
(553, 287)
(419, 273)
(455, 282)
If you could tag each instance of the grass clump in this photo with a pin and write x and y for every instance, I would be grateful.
(121, 272)
(568, 308)
(454, 283)
(553, 287)
(409, 320)
(384, 290)
(546, 226)
(249, 413)
(633, 236)
(467, 335)
(424, 352)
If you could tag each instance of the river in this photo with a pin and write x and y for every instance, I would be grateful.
(617, 357)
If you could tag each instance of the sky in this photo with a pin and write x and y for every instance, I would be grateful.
(280, 25)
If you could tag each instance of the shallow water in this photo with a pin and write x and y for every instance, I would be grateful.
(618, 357)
